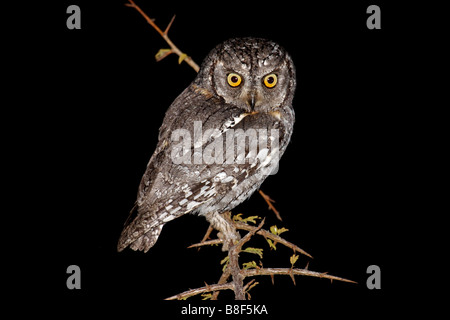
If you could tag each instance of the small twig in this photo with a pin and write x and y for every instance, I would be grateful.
(269, 201)
(164, 35)
(206, 243)
(249, 284)
(289, 271)
(250, 234)
(207, 288)
(205, 237)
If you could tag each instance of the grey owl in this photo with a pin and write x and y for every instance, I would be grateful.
(220, 139)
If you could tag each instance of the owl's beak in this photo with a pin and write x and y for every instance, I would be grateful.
(252, 100)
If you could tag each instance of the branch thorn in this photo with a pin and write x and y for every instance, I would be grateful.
(169, 25)
(270, 202)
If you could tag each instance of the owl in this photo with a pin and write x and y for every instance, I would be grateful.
(219, 140)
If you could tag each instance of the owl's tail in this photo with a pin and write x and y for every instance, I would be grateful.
(141, 243)
(135, 236)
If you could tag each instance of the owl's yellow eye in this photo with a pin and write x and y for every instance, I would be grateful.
(270, 80)
(234, 79)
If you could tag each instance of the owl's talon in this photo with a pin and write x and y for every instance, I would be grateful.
(229, 239)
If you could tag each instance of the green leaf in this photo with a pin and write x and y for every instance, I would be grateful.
(271, 244)
(257, 251)
(294, 259)
(238, 217)
(251, 219)
(225, 262)
(276, 231)
(182, 57)
(162, 53)
(280, 231)
(249, 265)
(206, 296)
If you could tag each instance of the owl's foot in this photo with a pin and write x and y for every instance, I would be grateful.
(229, 239)
(227, 232)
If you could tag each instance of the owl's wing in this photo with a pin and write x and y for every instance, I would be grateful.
(192, 107)
(165, 183)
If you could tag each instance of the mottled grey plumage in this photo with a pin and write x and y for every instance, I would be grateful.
(216, 99)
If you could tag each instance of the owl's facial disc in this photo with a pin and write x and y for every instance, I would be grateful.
(249, 73)
(251, 86)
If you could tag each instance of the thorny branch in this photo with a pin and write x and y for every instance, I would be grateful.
(233, 269)
(207, 288)
(173, 48)
(266, 234)
(239, 274)
(277, 239)
(287, 271)
(256, 272)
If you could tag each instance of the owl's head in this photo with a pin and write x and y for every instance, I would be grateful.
(250, 73)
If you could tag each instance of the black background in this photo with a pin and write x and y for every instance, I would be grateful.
(341, 184)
